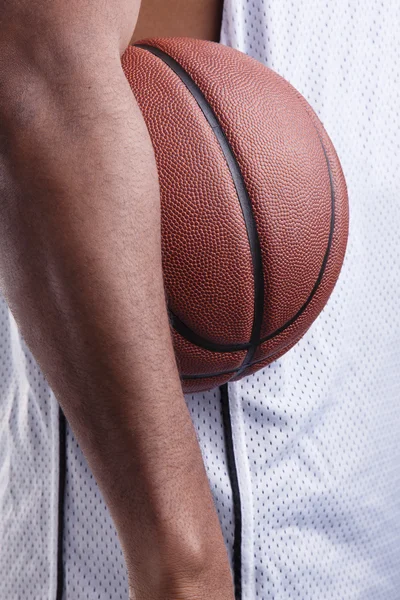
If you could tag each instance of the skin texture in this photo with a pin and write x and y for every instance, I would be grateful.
(199, 19)
(80, 267)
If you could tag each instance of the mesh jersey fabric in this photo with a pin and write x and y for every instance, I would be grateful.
(29, 471)
(307, 474)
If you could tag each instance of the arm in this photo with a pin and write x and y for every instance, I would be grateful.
(80, 267)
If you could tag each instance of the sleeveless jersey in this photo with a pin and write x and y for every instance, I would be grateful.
(303, 457)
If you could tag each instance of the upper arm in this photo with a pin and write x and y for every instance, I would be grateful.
(32, 29)
(51, 50)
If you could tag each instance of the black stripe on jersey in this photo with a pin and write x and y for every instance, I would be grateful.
(61, 496)
(237, 505)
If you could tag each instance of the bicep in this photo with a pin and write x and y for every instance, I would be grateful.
(31, 29)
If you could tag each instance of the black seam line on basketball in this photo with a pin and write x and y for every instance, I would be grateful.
(61, 496)
(313, 291)
(233, 348)
(235, 372)
(326, 256)
(245, 203)
(236, 499)
(215, 347)
(198, 340)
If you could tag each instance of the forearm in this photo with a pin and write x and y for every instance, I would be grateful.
(80, 266)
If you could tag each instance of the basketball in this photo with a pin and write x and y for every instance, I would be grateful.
(254, 208)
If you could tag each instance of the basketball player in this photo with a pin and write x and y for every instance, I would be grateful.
(283, 485)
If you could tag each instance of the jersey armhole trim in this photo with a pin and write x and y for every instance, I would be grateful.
(236, 500)
(61, 499)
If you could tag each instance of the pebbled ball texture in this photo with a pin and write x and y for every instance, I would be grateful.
(228, 319)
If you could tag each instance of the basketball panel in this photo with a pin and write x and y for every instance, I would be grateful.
(207, 267)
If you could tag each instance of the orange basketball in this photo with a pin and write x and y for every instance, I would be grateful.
(254, 205)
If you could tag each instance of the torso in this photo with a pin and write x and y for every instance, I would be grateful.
(187, 18)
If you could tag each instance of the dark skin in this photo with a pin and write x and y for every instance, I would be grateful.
(80, 268)
(199, 19)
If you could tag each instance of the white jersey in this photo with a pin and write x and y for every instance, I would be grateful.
(303, 457)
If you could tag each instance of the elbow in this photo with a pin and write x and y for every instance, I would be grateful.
(38, 72)
(25, 79)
